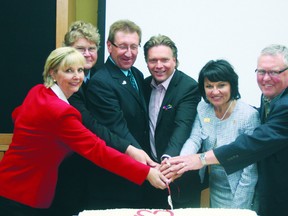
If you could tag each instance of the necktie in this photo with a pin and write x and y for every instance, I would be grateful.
(266, 107)
(86, 80)
(87, 76)
(132, 80)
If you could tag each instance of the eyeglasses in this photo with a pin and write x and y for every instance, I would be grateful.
(91, 50)
(270, 73)
(122, 47)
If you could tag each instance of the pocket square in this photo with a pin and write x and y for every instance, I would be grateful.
(166, 107)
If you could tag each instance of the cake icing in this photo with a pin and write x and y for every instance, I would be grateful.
(176, 212)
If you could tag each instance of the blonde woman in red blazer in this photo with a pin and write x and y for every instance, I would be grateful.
(46, 130)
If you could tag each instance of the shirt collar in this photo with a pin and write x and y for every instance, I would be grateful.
(267, 100)
(125, 72)
(164, 84)
(56, 89)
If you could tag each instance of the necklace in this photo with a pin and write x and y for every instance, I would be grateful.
(226, 111)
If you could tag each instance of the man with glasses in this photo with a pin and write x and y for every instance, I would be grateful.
(78, 177)
(115, 97)
(268, 145)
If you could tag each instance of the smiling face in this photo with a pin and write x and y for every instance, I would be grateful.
(69, 79)
(272, 86)
(161, 63)
(124, 49)
(217, 93)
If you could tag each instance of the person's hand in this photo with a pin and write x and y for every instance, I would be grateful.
(181, 164)
(170, 171)
(165, 166)
(157, 179)
(140, 155)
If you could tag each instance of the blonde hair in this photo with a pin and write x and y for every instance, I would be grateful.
(81, 29)
(62, 57)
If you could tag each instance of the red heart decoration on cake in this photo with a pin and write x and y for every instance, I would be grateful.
(156, 212)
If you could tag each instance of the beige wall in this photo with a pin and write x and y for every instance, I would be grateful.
(69, 11)
(87, 10)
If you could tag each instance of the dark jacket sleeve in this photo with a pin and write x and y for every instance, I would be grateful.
(78, 101)
(267, 140)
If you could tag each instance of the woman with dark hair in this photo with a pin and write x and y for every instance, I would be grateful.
(221, 118)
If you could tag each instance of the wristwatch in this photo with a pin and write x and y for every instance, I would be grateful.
(202, 158)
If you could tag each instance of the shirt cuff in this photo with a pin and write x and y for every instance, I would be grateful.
(165, 156)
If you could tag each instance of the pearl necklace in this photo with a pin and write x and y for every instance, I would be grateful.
(226, 111)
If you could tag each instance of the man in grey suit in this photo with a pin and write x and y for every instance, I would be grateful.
(173, 97)
(268, 145)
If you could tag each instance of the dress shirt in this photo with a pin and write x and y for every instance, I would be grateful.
(157, 95)
(56, 89)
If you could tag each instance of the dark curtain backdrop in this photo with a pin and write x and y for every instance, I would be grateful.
(101, 27)
(28, 31)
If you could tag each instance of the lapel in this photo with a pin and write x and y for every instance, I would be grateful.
(124, 82)
(92, 72)
(169, 96)
(262, 112)
(262, 109)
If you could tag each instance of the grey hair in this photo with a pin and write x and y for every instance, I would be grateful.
(276, 49)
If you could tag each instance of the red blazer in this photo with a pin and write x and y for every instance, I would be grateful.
(46, 130)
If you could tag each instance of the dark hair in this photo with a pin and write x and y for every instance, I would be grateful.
(219, 70)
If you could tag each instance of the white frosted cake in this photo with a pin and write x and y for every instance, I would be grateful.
(176, 212)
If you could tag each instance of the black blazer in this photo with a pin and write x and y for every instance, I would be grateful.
(175, 122)
(117, 105)
(78, 100)
(268, 146)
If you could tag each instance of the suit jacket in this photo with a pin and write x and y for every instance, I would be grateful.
(118, 106)
(174, 123)
(47, 129)
(78, 100)
(209, 132)
(173, 127)
(268, 146)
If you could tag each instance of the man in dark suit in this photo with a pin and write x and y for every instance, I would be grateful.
(173, 97)
(78, 177)
(116, 98)
(268, 145)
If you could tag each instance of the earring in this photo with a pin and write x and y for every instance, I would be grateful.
(54, 81)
